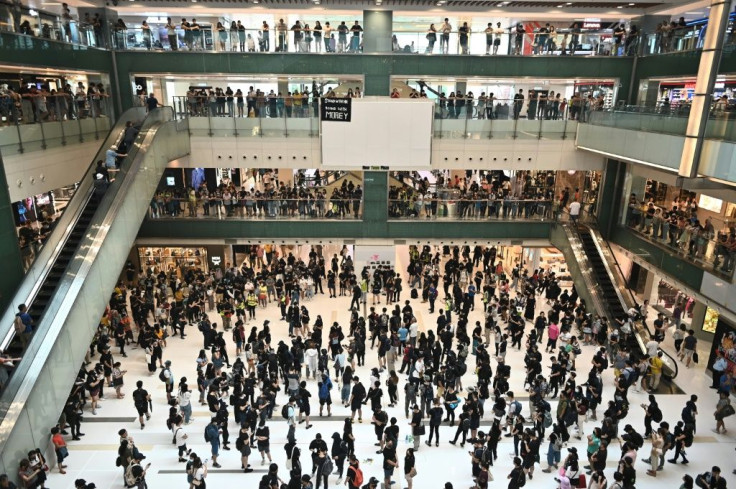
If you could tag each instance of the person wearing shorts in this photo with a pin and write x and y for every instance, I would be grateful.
(324, 394)
(689, 344)
(263, 441)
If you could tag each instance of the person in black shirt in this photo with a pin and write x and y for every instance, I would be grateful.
(435, 419)
(517, 475)
(141, 400)
(390, 462)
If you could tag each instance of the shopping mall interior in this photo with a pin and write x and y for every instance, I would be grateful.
(214, 211)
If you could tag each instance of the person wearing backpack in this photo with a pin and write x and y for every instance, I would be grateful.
(167, 377)
(354, 476)
(212, 436)
(289, 413)
(517, 477)
(553, 451)
(23, 326)
(652, 413)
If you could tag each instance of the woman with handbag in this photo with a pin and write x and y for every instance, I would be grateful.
(117, 379)
(723, 410)
(410, 470)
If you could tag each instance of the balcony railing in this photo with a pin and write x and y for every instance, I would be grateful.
(420, 208)
(251, 207)
(42, 120)
(268, 115)
(665, 118)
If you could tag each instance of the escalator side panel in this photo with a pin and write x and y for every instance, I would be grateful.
(81, 298)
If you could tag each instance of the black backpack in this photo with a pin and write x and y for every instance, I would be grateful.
(522, 478)
(285, 411)
(656, 414)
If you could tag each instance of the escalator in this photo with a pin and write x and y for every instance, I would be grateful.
(69, 284)
(610, 293)
(602, 265)
(67, 234)
(56, 272)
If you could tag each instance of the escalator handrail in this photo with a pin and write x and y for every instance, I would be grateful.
(635, 303)
(640, 326)
(44, 262)
(21, 384)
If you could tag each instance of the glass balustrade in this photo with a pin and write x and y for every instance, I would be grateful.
(41, 120)
(265, 115)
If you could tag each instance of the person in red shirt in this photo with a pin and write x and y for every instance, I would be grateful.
(59, 447)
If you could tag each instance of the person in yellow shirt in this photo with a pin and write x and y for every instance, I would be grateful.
(655, 371)
(251, 302)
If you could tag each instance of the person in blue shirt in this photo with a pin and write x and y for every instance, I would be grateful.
(111, 157)
(403, 333)
(471, 295)
(324, 394)
(27, 325)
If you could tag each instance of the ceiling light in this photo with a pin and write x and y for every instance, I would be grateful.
(32, 13)
(568, 3)
(620, 6)
(631, 4)
(560, 6)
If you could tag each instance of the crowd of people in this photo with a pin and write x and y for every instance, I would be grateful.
(455, 376)
(216, 102)
(33, 104)
(273, 199)
(680, 228)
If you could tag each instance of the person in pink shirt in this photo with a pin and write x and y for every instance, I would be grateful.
(553, 332)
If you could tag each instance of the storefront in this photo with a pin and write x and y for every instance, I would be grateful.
(181, 259)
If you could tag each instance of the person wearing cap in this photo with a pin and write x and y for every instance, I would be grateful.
(372, 483)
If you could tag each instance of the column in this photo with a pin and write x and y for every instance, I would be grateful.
(375, 203)
(710, 59)
(9, 250)
(378, 29)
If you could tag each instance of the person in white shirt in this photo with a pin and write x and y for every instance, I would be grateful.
(413, 332)
(574, 211)
(185, 403)
(652, 348)
(180, 439)
(310, 357)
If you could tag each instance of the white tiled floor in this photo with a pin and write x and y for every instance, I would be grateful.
(93, 458)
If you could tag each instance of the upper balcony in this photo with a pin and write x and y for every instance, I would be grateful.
(656, 136)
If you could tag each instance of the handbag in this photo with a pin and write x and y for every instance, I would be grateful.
(421, 430)
(728, 411)
(695, 357)
(413, 472)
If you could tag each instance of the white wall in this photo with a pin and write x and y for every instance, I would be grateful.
(41, 171)
(304, 152)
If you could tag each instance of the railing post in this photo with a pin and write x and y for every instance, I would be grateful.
(60, 118)
(16, 116)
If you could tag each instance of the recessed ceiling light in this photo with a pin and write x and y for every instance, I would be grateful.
(568, 3)
(620, 6)
(560, 6)
(631, 4)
